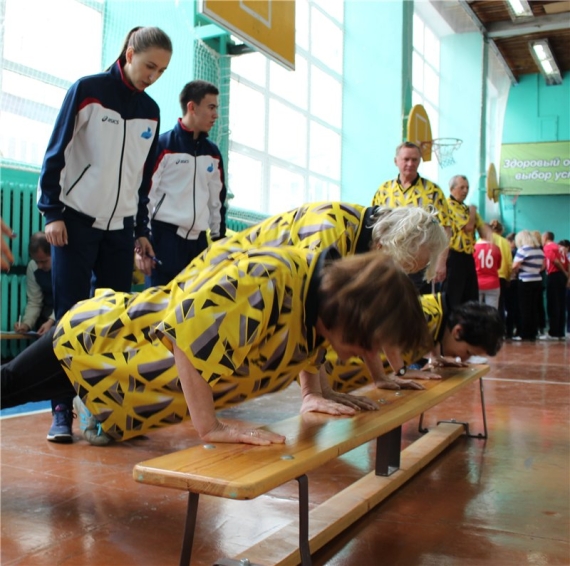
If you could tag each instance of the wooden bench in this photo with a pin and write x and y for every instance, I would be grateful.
(238, 471)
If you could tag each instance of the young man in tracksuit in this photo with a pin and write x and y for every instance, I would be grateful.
(188, 191)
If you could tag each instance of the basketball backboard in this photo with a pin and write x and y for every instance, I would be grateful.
(419, 130)
(268, 25)
(492, 183)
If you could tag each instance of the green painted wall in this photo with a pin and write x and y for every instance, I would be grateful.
(538, 113)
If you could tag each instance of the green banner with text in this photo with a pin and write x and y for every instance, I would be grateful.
(536, 168)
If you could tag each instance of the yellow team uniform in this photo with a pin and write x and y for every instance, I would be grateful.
(422, 193)
(247, 324)
(506, 256)
(314, 226)
(460, 284)
(462, 241)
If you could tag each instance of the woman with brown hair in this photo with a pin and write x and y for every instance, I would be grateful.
(227, 332)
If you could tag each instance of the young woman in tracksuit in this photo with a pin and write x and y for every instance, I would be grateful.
(94, 183)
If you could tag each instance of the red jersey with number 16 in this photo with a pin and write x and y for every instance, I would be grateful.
(487, 264)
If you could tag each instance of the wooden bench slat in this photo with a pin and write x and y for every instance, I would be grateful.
(240, 471)
(336, 514)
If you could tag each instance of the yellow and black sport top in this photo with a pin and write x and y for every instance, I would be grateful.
(315, 226)
(246, 323)
(422, 193)
(462, 241)
(352, 374)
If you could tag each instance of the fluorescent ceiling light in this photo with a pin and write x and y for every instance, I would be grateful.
(520, 8)
(547, 66)
(540, 50)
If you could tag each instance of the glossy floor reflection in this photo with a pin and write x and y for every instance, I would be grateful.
(503, 501)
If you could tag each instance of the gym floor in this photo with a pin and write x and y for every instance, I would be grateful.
(500, 501)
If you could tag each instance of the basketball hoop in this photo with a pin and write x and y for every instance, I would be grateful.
(443, 149)
(512, 192)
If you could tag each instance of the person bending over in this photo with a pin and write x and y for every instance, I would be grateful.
(247, 325)
(412, 235)
(469, 329)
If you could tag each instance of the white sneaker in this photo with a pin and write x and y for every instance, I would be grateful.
(548, 338)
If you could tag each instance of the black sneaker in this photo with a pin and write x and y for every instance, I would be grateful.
(60, 430)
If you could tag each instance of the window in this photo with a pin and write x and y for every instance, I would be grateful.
(35, 74)
(285, 126)
(246, 172)
(248, 126)
(425, 82)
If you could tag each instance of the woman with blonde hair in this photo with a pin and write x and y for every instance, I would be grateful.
(410, 235)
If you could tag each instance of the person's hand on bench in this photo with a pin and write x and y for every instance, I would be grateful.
(444, 362)
(338, 404)
(240, 433)
(198, 395)
(391, 381)
(394, 382)
(424, 373)
(319, 397)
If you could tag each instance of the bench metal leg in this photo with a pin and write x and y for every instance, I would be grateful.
(304, 548)
(465, 425)
(388, 447)
(483, 412)
(189, 528)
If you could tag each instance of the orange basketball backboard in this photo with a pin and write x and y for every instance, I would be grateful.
(492, 183)
(268, 25)
(419, 130)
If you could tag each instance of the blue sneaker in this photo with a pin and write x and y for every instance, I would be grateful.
(60, 430)
(89, 425)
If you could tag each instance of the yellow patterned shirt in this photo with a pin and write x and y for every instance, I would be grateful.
(348, 376)
(247, 324)
(462, 241)
(314, 226)
(422, 193)
(506, 256)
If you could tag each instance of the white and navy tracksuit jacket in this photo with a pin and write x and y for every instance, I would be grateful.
(188, 189)
(101, 153)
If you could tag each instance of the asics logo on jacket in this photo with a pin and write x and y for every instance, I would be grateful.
(188, 189)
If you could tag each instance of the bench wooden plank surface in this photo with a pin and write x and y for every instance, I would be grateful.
(9, 335)
(335, 515)
(240, 471)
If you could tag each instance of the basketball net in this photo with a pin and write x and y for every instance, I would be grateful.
(512, 192)
(444, 149)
